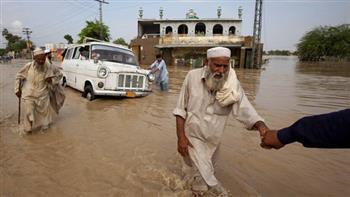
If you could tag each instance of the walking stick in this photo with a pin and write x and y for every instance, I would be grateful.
(19, 102)
(19, 110)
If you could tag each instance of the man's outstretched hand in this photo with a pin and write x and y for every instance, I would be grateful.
(270, 140)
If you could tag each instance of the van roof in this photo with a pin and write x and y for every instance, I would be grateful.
(101, 43)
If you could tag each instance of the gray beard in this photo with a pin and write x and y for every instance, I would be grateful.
(214, 83)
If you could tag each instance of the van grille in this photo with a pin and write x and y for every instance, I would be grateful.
(131, 81)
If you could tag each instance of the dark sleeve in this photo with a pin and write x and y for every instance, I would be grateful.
(330, 130)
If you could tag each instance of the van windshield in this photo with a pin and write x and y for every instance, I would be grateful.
(113, 54)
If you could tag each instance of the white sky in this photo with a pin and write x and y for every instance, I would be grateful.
(284, 21)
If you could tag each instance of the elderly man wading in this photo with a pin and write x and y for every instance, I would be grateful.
(208, 95)
(37, 83)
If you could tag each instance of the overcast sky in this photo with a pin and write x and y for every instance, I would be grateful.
(284, 21)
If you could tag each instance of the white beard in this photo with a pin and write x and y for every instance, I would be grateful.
(215, 81)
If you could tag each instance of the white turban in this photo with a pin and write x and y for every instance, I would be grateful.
(38, 51)
(47, 51)
(218, 52)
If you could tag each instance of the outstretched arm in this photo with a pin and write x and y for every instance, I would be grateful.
(152, 65)
(245, 113)
(330, 130)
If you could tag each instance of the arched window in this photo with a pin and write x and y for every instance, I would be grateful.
(232, 30)
(217, 29)
(183, 29)
(168, 30)
(200, 29)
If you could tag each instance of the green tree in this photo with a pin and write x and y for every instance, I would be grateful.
(2, 52)
(325, 42)
(92, 30)
(68, 38)
(120, 41)
(14, 42)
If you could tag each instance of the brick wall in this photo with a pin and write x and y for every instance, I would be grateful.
(144, 50)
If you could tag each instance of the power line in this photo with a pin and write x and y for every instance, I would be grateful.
(27, 31)
(72, 13)
(59, 25)
(58, 28)
(84, 5)
(101, 1)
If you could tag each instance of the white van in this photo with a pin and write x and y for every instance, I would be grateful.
(99, 68)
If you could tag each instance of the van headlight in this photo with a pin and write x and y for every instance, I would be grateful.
(102, 72)
(151, 77)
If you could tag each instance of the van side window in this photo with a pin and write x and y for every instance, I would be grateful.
(84, 52)
(64, 53)
(68, 54)
(76, 53)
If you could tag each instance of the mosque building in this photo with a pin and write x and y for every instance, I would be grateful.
(185, 41)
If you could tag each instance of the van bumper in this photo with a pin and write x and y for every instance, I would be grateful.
(127, 93)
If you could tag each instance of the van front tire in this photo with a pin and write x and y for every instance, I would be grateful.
(88, 93)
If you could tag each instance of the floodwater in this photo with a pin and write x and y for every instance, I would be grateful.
(127, 147)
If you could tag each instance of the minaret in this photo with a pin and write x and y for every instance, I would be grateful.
(219, 11)
(140, 12)
(161, 13)
(240, 12)
(191, 14)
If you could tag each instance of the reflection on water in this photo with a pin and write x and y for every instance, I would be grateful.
(304, 88)
(250, 81)
(323, 86)
(332, 69)
(127, 147)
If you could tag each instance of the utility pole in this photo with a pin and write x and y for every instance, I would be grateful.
(27, 31)
(254, 63)
(101, 32)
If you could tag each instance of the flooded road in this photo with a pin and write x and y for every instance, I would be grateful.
(127, 147)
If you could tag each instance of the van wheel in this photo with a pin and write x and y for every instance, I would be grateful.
(88, 93)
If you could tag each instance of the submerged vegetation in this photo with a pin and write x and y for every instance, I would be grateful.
(279, 52)
(325, 43)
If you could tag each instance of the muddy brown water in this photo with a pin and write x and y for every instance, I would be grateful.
(127, 147)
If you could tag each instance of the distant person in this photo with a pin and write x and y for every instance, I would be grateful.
(84, 53)
(331, 130)
(207, 97)
(162, 78)
(37, 84)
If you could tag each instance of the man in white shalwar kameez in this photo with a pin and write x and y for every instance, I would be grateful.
(37, 84)
(208, 95)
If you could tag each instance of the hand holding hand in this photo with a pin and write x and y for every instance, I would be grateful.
(270, 140)
(262, 128)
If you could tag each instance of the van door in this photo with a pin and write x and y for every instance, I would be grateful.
(76, 63)
(82, 65)
(67, 67)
